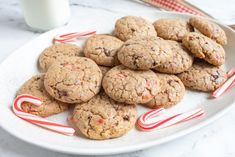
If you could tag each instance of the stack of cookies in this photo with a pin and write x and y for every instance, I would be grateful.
(141, 63)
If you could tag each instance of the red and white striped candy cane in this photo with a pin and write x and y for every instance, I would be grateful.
(222, 89)
(71, 37)
(150, 114)
(152, 120)
(63, 129)
(231, 72)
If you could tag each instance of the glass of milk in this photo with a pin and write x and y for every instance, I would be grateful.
(43, 15)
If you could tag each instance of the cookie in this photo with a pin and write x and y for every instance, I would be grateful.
(103, 49)
(144, 53)
(172, 92)
(204, 48)
(128, 27)
(103, 118)
(104, 69)
(209, 29)
(203, 76)
(57, 52)
(172, 28)
(73, 80)
(181, 60)
(129, 86)
(34, 86)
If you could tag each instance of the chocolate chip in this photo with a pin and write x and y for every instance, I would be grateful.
(64, 93)
(135, 60)
(38, 78)
(154, 63)
(126, 118)
(116, 124)
(169, 81)
(98, 48)
(152, 49)
(63, 64)
(215, 77)
(106, 52)
(127, 44)
(133, 30)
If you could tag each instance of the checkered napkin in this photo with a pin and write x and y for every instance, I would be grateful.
(176, 5)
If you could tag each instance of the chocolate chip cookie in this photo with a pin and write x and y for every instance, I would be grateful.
(144, 53)
(129, 86)
(103, 49)
(203, 76)
(50, 106)
(132, 26)
(103, 118)
(57, 52)
(204, 48)
(73, 80)
(172, 28)
(181, 60)
(172, 92)
(209, 29)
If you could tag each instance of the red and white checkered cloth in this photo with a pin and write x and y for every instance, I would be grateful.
(176, 5)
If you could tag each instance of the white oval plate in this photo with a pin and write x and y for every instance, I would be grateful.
(22, 64)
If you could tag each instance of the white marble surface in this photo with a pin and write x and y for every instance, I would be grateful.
(215, 140)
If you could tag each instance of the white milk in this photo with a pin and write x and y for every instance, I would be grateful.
(43, 15)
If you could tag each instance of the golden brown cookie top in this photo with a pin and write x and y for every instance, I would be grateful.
(103, 49)
(128, 27)
(57, 52)
(209, 29)
(203, 76)
(182, 59)
(172, 28)
(129, 86)
(103, 118)
(172, 91)
(144, 53)
(73, 80)
(205, 48)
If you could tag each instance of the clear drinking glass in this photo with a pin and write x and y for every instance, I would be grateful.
(43, 15)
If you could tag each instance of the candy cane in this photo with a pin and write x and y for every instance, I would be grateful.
(63, 129)
(71, 37)
(150, 114)
(153, 120)
(231, 72)
(222, 89)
